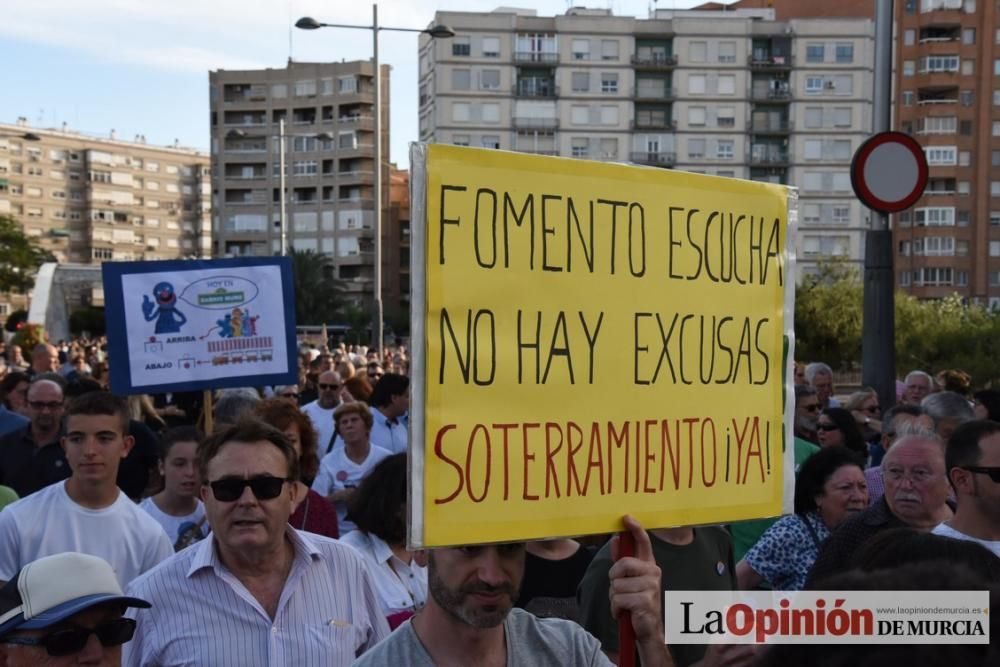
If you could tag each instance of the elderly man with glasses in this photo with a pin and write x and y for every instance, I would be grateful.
(320, 411)
(257, 592)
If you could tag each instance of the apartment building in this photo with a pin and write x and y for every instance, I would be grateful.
(731, 93)
(948, 98)
(328, 114)
(88, 199)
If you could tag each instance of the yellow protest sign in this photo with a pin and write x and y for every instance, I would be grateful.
(592, 339)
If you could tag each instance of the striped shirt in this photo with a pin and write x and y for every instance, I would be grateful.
(328, 613)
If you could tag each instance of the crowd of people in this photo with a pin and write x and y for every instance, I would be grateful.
(270, 526)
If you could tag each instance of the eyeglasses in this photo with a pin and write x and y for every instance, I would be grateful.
(915, 476)
(811, 408)
(73, 640)
(230, 489)
(992, 471)
(45, 405)
(827, 427)
(331, 387)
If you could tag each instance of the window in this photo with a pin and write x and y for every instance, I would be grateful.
(994, 248)
(939, 64)
(609, 115)
(580, 114)
(698, 52)
(904, 278)
(347, 84)
(845, 53)
(996, 97)
(964, 187)
(696, 148)
(909, 68)
(814, 85)
(460, 112)
(724, 149)
(581, 49)
(279, 91)
(727, 84)
(490, 141)
(939, 125)
(461, 79)
(996, 67)
(581, 82)
(609, 148)
(941, 216)
(696, 84)
(907, 98)
(489, 79)
(909, 37)
(579, 147)
(963, 158)
(460, 139)
(725, 117)
(727, 52)
(842, 85)
(696, 116)
(815, 53)
(491, 47)
(609, 49)
(491, 113)
(965, 98)
(841, 214)
(995, 188)
(461, 46)
(995, 218)
(941, 155)
(305, 88)
(609, 82)
(968, 67)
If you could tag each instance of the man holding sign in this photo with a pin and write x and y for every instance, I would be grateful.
(470, 620)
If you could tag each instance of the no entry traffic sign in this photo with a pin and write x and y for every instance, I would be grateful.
(889, 172)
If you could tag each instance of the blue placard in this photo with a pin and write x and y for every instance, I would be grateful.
(184, 325)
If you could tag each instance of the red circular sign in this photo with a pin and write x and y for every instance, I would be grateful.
(889, 172)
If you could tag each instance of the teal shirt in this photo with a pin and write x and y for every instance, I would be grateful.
(7, 496)
(746, 533)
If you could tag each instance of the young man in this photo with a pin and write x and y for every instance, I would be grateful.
(67, 610)
(341, 471)
(87, 513)
(973, 462)
(390, 401)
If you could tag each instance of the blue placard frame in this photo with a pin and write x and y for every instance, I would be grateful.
(114, 318)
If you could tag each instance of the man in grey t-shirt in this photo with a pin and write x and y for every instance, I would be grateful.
(469, 617)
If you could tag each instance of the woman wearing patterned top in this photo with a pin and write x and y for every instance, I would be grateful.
(830, 487)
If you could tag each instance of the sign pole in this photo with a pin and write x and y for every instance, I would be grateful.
(207, 411)
(878, 347)
(626, 633)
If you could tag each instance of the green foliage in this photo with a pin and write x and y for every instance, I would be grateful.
(20, 257)
(317, 292)
(30, 335)
(931, 335)
(359, 320)
(90, 320)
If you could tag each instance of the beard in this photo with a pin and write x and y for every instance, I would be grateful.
(806, 423)
(454, 601)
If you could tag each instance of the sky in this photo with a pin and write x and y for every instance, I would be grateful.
(141, 66)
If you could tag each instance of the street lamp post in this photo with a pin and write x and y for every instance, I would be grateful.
(282, 212)
(437, 31)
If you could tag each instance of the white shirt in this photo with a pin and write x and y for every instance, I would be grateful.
(400, 586)
(338, 472)
(322, 420)
(389, 435)
(945, 530)
(172, 524)
(48, 522)
(327, 613)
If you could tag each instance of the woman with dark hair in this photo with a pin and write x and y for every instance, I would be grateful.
(379, 509)
(14, 392)
(836, 427)
(829, 488)
(314, 514)
(892, 548)
(987, 404)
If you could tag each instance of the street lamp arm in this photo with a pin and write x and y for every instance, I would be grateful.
(309, 23)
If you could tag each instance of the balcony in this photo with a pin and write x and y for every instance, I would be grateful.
(770, 62)
(539, 57)
(771, 94)
(530, 123)
(771, 159)
(931, 95)
(356, 175)
(356, 203)
(659, 159)
(647, 94)
(536, 88)
(654, 62)
(653, 124)
(770, 126)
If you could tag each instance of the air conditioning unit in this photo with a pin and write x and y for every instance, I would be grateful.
(829, 85)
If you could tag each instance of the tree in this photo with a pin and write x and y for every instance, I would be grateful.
(317, 292)
(828, 316)
(20, 257)
(359, 320)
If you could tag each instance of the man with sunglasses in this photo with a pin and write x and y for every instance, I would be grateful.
(30, 458)
(973, 462)
(64, 609)
(807, 407)
(87, 513)
(257, 592)
(321, 410)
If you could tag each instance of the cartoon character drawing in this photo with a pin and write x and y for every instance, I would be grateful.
(250, 325)
(164, 310)
(225, 326)
(237, 323)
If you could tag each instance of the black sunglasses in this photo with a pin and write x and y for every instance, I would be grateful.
(230, 489)
(992, 471)
(334, 387)
(288, 395)
(73, 640)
